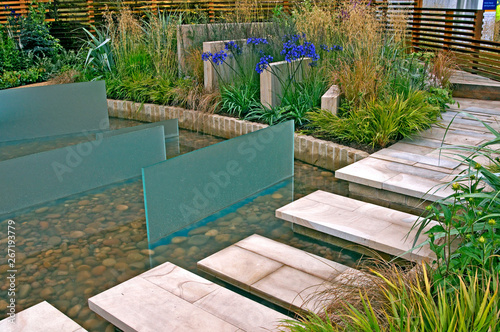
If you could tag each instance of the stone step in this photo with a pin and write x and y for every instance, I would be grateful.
(42, 317)
(417, 170)
(277, 272)
(373, 226)
(468, 85)
(170, 298)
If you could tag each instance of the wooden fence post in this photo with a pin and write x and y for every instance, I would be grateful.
(154, 7)
(448, 29)
(211, 11)
(286, 6)
(90, 14)
(417, 17)
(478, 24)
(478, 30)
(23, 7)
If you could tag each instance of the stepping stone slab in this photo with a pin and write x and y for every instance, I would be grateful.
(418, 166)
(276, 272)
(373, 226)
(169, 298)
(41, 317)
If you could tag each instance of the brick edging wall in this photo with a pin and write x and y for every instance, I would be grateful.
(311, 150)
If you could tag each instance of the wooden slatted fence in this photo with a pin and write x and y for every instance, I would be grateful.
(430, 28)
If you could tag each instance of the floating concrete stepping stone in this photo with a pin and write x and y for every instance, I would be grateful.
(417, 168)
(41, 317)
(276, 272)
(373, 226)
(169, 298)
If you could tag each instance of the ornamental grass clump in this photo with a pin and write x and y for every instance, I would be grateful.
(388, 94)
(137, 58)
(396, 299)
(377, 123)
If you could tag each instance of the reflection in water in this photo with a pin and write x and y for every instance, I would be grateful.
(79, 246)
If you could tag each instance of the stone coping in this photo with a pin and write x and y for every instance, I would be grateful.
(373, 226)
(41, 317)
(169, 298)
(311, 150)
(279, 273)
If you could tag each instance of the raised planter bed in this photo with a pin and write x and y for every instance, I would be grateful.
(311, 150)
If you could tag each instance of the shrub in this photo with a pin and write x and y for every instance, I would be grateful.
(10, 57)
(32, 31)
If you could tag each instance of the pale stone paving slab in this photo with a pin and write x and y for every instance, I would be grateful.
(295, 276)
(169, 298)
(41, 317)
(418, 166)
(376, 227)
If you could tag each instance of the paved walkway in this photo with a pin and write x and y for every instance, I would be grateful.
(416, 166)
(169, 298)
(276, 272)
(373, 226)
(41, 317)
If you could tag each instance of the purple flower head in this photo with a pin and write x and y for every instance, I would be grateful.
(293, 51)
(263, 63)
(257, 41)
(206, 56)
(232, 47)
(219, 57)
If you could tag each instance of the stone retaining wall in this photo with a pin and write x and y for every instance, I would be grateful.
(311, 150)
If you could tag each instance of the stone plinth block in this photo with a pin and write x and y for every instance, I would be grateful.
(226, 71)
(275, 79)
(330, 101)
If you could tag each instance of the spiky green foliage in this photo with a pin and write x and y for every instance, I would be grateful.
(467, 238)
(379, 122)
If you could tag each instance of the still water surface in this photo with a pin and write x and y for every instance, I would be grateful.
(73, 248)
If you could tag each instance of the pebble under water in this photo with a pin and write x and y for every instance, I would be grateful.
(76, 247)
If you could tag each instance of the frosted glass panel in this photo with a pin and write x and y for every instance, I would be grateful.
(52, 110)
(190, 187)
(53, 174)
(171, 128)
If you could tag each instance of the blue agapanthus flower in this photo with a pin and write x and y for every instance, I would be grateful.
(294, 38)
(332, 48)
(216, 58)
(293, 51)
(257, 41)
(205, 56)
(263, 63)
(219, 57)
(232, 47)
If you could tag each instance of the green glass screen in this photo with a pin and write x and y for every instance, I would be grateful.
(54, 174)
(52, 110)
(190, 187)
(171, 128)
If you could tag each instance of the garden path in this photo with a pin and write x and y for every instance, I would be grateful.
(274, 271)
(41, 317)
(169, 298)
(418, 166)
(375, 227)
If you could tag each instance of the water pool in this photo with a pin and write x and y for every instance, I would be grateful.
(76, 247)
